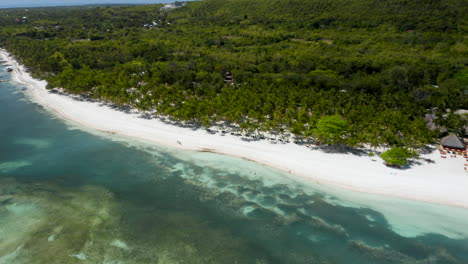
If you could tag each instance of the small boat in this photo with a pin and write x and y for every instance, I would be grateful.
(24, 88)
(9, 69)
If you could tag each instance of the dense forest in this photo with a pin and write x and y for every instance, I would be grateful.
(338, 71)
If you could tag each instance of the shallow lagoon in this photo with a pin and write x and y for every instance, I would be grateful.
(68, 196)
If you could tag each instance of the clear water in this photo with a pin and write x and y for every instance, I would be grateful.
(69, 196)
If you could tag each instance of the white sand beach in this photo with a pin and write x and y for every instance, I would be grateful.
(443, 181)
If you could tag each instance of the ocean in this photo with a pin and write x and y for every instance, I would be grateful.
(69, 195)
(51, 3)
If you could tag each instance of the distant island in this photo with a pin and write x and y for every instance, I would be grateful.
(336, 72)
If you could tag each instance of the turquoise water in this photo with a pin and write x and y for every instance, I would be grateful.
(69, 196)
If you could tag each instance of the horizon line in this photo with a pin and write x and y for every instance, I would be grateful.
(88, 4)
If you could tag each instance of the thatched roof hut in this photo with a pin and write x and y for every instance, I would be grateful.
(452, 142)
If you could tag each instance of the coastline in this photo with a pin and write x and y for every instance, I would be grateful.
(442, 182)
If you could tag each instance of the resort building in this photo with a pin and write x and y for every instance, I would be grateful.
(452, 142)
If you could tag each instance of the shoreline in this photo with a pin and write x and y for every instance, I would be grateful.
(443, 182)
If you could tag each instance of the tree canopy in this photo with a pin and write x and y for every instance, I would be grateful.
(397, 156)
(331, 129)
(278, 66)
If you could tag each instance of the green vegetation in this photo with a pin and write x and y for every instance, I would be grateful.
(331, 129)
(397, 156)
(278, 66)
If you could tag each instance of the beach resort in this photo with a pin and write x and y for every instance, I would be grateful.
(233, 131)
(439, 176)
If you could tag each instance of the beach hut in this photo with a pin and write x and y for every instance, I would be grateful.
(452, 142)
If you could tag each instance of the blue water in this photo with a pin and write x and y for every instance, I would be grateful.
(70, 196)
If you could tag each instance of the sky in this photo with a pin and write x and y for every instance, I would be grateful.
(35, 3)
